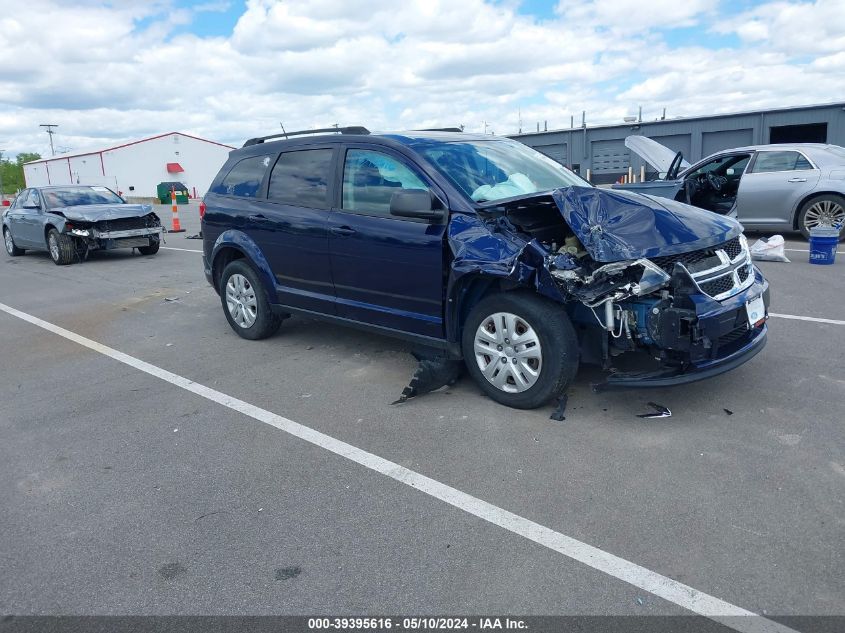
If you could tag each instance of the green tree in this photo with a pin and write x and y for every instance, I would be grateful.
(11, 173)
(27, 157)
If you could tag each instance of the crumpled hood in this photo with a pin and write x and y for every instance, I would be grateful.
(99, 212)
(618, 225)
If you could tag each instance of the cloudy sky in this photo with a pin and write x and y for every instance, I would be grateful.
(227, 70)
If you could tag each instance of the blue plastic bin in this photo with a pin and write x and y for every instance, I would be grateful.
(823, 243)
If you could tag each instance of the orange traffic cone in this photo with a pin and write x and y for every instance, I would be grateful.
(175, 226)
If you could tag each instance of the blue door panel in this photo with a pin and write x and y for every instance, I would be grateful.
(295, 242)
(388, 271)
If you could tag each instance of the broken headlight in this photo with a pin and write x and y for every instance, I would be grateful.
(652, 279)
(637, 277)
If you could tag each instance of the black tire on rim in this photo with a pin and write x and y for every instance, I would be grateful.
(826, 208)
(245, 302)
(521, 349)
(13, 250)
(152, 249)
(63, 249)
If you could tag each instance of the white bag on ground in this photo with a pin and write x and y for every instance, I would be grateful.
(769, 249)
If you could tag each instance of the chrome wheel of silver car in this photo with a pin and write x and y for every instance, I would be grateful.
(10, 245)
(241, 301)
(824, 212)
(508, 352)
(53, 243)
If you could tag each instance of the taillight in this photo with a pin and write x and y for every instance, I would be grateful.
(202, 210)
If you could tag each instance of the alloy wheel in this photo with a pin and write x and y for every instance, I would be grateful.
(824, 212)
(508, 352)
(10, 245)
(54, 247)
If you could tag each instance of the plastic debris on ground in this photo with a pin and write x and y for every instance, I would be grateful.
(728, 411)
(769, 249)
(560, 408)
(433, 371)
(659, 411)
(198, 236)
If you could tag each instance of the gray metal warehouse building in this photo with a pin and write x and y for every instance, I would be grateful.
(601, 149)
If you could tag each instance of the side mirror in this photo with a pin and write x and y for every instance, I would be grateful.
(415, 203)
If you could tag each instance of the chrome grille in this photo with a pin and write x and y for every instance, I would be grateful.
(720, 271)
(706, 258)
(718, 286)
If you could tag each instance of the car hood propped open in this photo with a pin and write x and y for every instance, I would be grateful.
(619, 225)
(100, 212)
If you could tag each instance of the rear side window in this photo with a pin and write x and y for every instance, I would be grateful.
(301, 178)
(780, 161)
(244, 179)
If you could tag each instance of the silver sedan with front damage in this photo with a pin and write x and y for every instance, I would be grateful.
(71, 221)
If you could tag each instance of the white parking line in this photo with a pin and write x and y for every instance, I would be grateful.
(807, 250)
(796, 317)
(187, 250)
(645, 579)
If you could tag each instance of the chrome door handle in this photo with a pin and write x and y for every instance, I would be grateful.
(797, 180)
(342, 230)
(258, 217)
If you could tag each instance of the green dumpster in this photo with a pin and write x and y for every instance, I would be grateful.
(163, 192)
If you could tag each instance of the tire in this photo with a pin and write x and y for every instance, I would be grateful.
(63, 249)
(551, 367)
(152, 249)
(13, 250)
(250, 315)
(826, 206)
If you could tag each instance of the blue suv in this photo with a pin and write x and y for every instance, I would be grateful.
(482, 248)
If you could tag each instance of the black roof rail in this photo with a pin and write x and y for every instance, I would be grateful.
(354, 129)
(440, 129)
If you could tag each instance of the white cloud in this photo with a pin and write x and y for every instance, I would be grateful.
(122, 71)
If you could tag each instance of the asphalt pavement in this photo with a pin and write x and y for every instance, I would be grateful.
(125, 494)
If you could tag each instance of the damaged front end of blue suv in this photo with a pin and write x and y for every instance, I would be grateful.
(636, 274)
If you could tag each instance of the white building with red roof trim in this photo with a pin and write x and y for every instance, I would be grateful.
(136, 168)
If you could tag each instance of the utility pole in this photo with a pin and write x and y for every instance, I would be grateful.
(50, 131)
(1, 175)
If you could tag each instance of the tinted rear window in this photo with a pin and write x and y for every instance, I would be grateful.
(780, 161)
(244, 179)
(301, 178)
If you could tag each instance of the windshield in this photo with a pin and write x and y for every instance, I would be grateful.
(75, 196)
(496, 169)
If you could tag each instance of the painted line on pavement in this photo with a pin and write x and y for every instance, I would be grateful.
(662, 586)
(187, 250)
(807, 250)
(796, 317)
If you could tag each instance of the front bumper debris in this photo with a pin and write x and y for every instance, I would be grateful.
(672, 376)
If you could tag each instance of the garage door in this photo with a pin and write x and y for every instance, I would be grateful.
(712, 142)
(556, 152)
(610, 156)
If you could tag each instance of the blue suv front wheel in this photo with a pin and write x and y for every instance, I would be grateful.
(521, 349)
